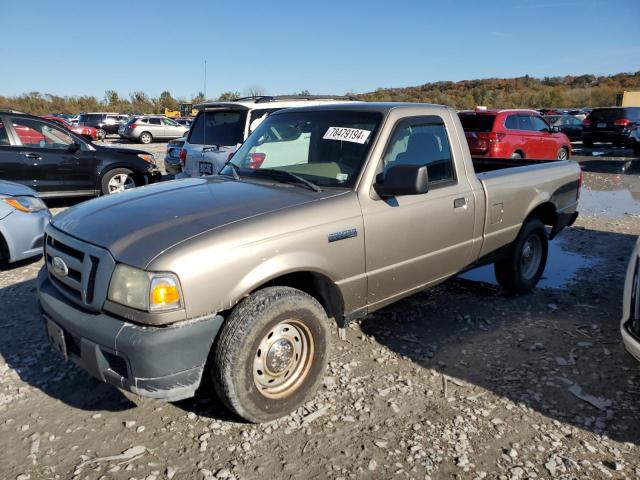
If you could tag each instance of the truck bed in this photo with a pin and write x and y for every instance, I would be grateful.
(482, 164)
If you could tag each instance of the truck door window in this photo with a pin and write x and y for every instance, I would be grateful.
(422, 144)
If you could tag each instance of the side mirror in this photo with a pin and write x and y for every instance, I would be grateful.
(555, 129)
(403, 180)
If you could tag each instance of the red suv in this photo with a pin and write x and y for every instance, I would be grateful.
(513, 134)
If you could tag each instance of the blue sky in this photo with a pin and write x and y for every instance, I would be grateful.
(84, 48)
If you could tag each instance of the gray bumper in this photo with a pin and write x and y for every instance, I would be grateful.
(631, 343)
(165, 363)
(24, 233)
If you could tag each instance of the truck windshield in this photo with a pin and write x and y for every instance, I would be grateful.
(327, 148)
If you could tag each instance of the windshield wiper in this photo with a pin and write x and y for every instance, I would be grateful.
(284, 173)
(234, 170)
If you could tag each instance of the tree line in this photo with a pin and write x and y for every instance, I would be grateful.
(520, 92)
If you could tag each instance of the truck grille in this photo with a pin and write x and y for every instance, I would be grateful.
(79, 270)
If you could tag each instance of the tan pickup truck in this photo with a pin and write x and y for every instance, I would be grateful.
(239, 276)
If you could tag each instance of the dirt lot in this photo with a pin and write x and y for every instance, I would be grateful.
(459, 381)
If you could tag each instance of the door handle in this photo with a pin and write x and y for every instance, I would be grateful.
(33, 156)
(459, 202)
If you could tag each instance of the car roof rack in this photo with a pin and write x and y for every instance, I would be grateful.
(276, 98)
(10, 110)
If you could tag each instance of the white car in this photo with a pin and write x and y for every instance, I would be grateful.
(220, 127)
(630, 325)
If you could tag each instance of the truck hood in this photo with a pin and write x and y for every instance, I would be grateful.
(139, 224)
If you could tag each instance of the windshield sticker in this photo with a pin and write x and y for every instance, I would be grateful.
(354, 135)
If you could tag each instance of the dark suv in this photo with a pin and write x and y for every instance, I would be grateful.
(610, 125)
(54, 161)
(104, 123)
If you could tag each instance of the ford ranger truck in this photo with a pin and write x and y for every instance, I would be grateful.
(239, 276)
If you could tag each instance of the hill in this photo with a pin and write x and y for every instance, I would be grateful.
(521, 92)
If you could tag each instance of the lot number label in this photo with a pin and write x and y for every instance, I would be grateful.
(354, 135)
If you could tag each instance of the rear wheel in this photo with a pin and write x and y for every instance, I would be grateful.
(146, 137)
(516, 155)
(118, 180)
(271, 353)
(521, 270)
(102, 134)
(563, 154)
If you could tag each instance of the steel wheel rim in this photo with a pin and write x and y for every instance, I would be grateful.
(120, 183)
(530, 257)
(562, 155)
(283, 359)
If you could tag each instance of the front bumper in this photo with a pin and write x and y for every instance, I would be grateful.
(24, 233)
(631, 342)
(606, 136)
(164, 363)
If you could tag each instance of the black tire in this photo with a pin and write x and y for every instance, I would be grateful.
(516, 156)
(111, 174)
(513, 273)
(102, 133)
(563, 154)
(238, 356)
(146, 138)
(587, 143)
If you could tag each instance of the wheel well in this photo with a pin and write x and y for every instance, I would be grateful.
(546, 213)
(519, 152)
(318, 286)
(4, 249)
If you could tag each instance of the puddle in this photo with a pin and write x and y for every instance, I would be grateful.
(562, 268)
(609, 203)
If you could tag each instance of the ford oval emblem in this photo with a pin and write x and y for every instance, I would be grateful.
(59, 267)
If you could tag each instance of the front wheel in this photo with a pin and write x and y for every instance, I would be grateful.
(101, 133)
(520, 272)
(117, 180)
(271, 353)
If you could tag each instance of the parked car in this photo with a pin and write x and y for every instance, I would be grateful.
(513, 134)
(220, 127)
(23, 218)
(54, 161)
(634, 139)
(570, 125)
(630, 325)
(609, 125)
(104, 123)
(172, 162)
(236, 277)
(88, 133)
(147, 128)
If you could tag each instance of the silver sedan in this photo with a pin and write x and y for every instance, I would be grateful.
(23, 217)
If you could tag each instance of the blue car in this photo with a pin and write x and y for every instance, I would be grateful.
(23, 217)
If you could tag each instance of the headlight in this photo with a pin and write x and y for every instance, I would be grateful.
(147, 157)
(26, 204)
(148, 291)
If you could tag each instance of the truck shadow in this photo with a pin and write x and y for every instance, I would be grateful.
(25, 350)
(529, 349)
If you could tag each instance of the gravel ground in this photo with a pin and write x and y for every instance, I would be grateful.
(459, 381)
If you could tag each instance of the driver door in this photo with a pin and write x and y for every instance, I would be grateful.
(51, 163)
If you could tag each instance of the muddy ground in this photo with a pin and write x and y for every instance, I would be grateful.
(459, 381)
